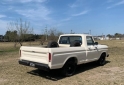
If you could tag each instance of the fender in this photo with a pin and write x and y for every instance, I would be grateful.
(69, 57)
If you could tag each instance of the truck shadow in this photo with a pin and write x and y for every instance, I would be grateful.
(55, 75)
(88, 66)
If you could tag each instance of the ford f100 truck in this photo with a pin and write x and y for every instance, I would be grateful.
(70, 51)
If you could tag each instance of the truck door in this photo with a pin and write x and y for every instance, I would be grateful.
(92, 51)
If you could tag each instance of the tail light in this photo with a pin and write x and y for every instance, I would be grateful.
(49, 57)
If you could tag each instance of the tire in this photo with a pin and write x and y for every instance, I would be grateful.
(52, 44)
(69, 68)
(102, 60)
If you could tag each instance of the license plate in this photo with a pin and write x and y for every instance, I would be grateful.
(32, 64)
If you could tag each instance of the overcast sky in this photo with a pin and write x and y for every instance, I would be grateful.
(80, 16)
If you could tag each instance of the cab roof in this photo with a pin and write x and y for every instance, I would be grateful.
(75, 35)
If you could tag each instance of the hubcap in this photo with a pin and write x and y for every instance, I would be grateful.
(70, 69)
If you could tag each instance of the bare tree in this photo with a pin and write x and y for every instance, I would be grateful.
(49, 35)
(54, 34)
(44, 36)
(22, 27)
(11, 34)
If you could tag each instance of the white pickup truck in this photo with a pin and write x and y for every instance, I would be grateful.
(70, 51)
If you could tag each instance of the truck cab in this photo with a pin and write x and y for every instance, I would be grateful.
(86, 41)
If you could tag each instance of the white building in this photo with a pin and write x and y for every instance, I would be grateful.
(101, 38)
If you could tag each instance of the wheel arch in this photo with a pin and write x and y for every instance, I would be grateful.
(103, 54)
(71, 59)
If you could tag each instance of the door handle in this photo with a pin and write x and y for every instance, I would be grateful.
(89, 48)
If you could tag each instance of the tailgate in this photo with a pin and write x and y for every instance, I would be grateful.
(35, 54)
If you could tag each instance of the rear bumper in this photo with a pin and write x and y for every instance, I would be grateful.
(40, 66)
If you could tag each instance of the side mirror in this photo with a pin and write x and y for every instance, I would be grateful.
(96, 43)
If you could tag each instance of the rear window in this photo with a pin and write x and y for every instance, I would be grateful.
(69, 39)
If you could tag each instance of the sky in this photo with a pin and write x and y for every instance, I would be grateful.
(80, 16)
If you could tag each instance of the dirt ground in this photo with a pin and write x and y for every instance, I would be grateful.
(112, 73)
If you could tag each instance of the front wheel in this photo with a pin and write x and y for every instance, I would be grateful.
(102, 60)
(69, 68)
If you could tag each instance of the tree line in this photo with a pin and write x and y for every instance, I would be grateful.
(116, 35)
(21, 31)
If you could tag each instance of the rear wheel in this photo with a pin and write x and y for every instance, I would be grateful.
(69, 68)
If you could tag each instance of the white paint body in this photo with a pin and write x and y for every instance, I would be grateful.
(84, 54)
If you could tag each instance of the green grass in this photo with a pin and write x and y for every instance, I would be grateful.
(9, 50)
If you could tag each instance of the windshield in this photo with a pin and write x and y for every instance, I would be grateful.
(69, 39)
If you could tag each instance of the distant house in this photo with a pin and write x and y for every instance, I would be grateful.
(98, 37)
(107, 38)
(103, 37)
(1, 37)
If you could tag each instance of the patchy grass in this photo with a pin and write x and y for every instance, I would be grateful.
(6, 47)
(112, 73)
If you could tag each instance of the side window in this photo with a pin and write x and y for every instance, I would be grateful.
(90, 40)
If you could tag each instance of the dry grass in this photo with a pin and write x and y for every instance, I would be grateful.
(112, 73)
